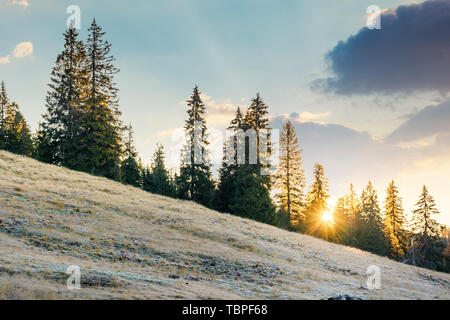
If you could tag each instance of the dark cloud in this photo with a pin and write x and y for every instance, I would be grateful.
(340, 149)
(427, 122)
(410, 52)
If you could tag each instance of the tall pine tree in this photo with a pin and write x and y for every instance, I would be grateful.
(227, 172)
(101, 129)
(370, 235)
(317, 203)
(130, 167)
(17, 132)
(59, 132)
(346, 217)
(394, 223)
(352, 205)
(428, 246)
(195, 180)
(256, 119)
(4, 103)
(290, 177)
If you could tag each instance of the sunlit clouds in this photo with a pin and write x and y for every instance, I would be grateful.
(22, 3)
(23, 49)
(5, 60)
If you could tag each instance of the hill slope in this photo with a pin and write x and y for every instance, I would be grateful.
(132, 244)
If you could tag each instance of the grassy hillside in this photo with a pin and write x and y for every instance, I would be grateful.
(135, 245)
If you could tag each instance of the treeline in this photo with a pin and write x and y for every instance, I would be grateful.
(422, 241)
(81, 130)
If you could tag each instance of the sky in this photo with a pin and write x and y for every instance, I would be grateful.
(369, 104)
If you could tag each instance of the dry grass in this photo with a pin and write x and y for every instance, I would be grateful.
(22, 288)
(134, 245)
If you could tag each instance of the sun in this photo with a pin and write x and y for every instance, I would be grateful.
(327, 217)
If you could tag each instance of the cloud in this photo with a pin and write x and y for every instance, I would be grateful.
(23, 3)
(23, 49)
(324, 139)
(411, 52)
(5, 60)
(218, 107)
(219, 113)
(430, 121)
(306, 115)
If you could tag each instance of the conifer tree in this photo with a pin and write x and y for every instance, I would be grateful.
(195, 180)
(352, 208)
(237, 122)
(242, 190)
(225, 187)
(370, 227)
(17, 133)
(317, 201)
(59, 130)
(257, 112)
(227, 172)
(256, 118)
(146, 177)
(340, 222)
(101, 130)
(43, 145)
(346, 216)
(394, 222)
(290, 177)
(428, 243)
(159, 180)
(4, 103)
(250, 197)
(130, 167)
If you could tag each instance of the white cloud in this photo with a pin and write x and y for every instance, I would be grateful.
(313, 116)
(23, 3)
(5, 60)
(23, 49)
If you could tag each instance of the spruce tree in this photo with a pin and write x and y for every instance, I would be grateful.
(146, 177)
(394, 223)
(317, 202)
(18, 137)
(195, 180)
(130, 167)
(250, 198)
(101, 129)
(290, 177)
(370, 234)
(59, 130)
(4, 103)
(225, 187)
(428, 243)
(345, 218)
(352, 209)
(15, 134)
(256, 119)
(227, 172)
(257, 112)
(159, 180)
(340, 233)
(242, 190)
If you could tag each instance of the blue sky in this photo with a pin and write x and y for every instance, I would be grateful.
(233, 49)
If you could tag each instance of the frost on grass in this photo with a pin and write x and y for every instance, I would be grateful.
(134, 245)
